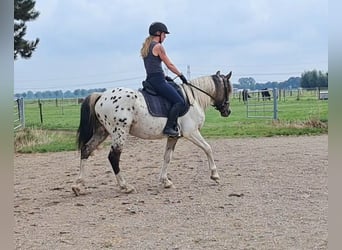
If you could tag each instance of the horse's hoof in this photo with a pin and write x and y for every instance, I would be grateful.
(169, 185)
(129, 189)
(166, 184)
(215, 178)
(76, 190)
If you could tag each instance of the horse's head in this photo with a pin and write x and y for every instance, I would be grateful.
(223, 92)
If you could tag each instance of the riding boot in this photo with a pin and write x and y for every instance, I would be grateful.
(171, 124)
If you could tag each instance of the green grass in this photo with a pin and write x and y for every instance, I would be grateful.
(307, 116)
(63, 115)
(30, 140)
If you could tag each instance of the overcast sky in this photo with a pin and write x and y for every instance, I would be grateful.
(96, 44)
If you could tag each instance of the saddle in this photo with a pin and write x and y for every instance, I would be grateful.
(157, 105)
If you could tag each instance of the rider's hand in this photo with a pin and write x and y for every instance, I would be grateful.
(169, 79)
(182, 77)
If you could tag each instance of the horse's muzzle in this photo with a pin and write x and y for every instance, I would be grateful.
(226, 113)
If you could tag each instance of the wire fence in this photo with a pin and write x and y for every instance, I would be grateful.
(64, 113)
(269, 103)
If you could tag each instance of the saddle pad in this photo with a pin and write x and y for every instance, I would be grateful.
(157, 105)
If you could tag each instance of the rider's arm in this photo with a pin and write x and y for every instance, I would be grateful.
(160, 51)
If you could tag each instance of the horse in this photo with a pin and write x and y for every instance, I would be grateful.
(121, 111)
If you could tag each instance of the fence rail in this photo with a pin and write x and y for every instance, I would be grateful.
(64, 113)
(267, 103)
(262, 104)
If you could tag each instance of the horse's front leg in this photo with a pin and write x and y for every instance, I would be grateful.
(170, 147)
(198, 140)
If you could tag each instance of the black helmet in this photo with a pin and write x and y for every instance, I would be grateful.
(157, 26)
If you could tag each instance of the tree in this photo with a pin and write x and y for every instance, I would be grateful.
(247, 83)
(313, 79)
(23, 12)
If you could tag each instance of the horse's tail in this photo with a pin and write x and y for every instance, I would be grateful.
(88, 120)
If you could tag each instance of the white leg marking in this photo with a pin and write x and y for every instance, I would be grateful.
(170, 147)
(80, 182)
(198, 140)
(126, 188)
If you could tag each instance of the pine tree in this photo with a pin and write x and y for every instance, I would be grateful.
(23, 12)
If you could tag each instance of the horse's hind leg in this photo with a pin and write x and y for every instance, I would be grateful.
(170, 147)
(98, 137)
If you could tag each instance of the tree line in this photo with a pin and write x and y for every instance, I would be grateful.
(78, 93)
(308, 79)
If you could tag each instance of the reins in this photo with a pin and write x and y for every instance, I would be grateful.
(201, 90)
(204, 92)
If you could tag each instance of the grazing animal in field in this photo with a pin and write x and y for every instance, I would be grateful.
(245, 95)
(265, 94)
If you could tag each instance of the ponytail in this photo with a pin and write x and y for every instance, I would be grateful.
(146, 46)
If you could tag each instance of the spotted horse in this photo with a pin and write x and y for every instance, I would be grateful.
(122, 111)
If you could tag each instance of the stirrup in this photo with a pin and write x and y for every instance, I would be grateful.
(170, 132)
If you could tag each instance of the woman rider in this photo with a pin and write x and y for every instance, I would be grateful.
(153, 54)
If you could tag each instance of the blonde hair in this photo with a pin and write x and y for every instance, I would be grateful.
(146, 46)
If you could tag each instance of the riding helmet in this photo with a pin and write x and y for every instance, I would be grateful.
(157, 26)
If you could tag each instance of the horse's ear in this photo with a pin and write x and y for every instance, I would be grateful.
(229, 75)
(218, 73)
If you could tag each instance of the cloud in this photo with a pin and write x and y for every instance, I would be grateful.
(81, 38)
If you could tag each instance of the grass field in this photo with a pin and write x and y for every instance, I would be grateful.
(53, 127)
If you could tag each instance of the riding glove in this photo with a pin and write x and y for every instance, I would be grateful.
(182, 77)
(168, 79)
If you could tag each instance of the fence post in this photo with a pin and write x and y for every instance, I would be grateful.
(275, 104)
(319, 92)
(298, 92)
(19, 113)
(40, 111)
(22, 112)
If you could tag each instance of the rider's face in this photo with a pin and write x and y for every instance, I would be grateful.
(162, 36)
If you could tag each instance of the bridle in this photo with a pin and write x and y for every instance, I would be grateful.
(218, 106)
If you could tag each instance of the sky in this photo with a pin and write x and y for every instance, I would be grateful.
(96, 44)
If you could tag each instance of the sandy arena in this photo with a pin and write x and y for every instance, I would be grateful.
(273, 194)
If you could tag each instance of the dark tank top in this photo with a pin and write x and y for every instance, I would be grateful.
(152, 63)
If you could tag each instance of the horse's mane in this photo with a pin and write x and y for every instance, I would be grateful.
(205, 83)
